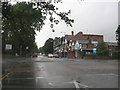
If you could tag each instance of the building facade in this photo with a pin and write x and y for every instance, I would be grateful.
(112, 47)
(73, 46)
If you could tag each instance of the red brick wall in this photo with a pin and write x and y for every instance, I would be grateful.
(96, 38)
(81, 36)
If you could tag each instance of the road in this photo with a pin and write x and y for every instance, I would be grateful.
(43, 72)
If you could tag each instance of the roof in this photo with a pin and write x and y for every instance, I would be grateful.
(69, 37)
(92, 35)
(112, 43)
(83, 38)
(83, 41)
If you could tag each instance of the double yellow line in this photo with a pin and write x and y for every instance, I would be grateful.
(4, 76)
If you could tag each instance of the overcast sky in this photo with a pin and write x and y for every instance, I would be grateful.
(91, 16)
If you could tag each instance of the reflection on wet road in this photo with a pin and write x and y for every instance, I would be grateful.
(43, 72)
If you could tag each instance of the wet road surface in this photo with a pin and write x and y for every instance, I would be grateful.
(43, 72)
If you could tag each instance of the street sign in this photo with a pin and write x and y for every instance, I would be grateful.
(27, 47)
(94, 42)
(8, 47)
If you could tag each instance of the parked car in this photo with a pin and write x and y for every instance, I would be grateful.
(55, 56)
(50, 55)
(34, 55)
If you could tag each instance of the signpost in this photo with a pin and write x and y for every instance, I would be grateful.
(8, 47)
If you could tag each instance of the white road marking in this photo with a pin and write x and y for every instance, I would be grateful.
(50, 84)
(76, 84)
(31, 78)
(84, 86)
(114, 74)
(69, 82)
(79, 85)
(106, 74)
(39, 77)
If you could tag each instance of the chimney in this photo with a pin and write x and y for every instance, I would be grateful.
(72, 33)
(81, 33)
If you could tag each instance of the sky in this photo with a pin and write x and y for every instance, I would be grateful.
(90, 17)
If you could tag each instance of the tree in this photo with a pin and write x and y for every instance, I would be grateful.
(48, 47)
(41, 50)
(35, 49)
(102, 49)
(22, 19)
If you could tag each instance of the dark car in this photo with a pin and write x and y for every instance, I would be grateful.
(34, 55)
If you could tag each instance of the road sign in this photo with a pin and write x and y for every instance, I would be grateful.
(8, 47)
(94, 42)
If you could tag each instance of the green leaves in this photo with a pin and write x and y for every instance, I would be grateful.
(22, 19)
(102, 49)
(48, 47)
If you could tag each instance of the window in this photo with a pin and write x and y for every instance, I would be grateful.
(84, 46)
(95, 45)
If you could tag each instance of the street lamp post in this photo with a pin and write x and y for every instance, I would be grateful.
(20, 50)
(27, 50)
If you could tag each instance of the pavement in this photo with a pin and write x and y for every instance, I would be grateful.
(43, 72)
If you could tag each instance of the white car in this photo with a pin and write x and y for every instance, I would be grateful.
(50, 55)
(55, 56)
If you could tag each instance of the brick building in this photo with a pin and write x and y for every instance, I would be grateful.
(112, 47)
(72, 45)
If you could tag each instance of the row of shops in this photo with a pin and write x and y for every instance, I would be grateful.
(76, 46)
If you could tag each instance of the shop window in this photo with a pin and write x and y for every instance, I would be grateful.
(95, 45)
(84, 46)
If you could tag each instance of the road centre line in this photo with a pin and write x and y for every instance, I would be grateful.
(31, 78)
(39, 77)
(114, 74)
(103, 74)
